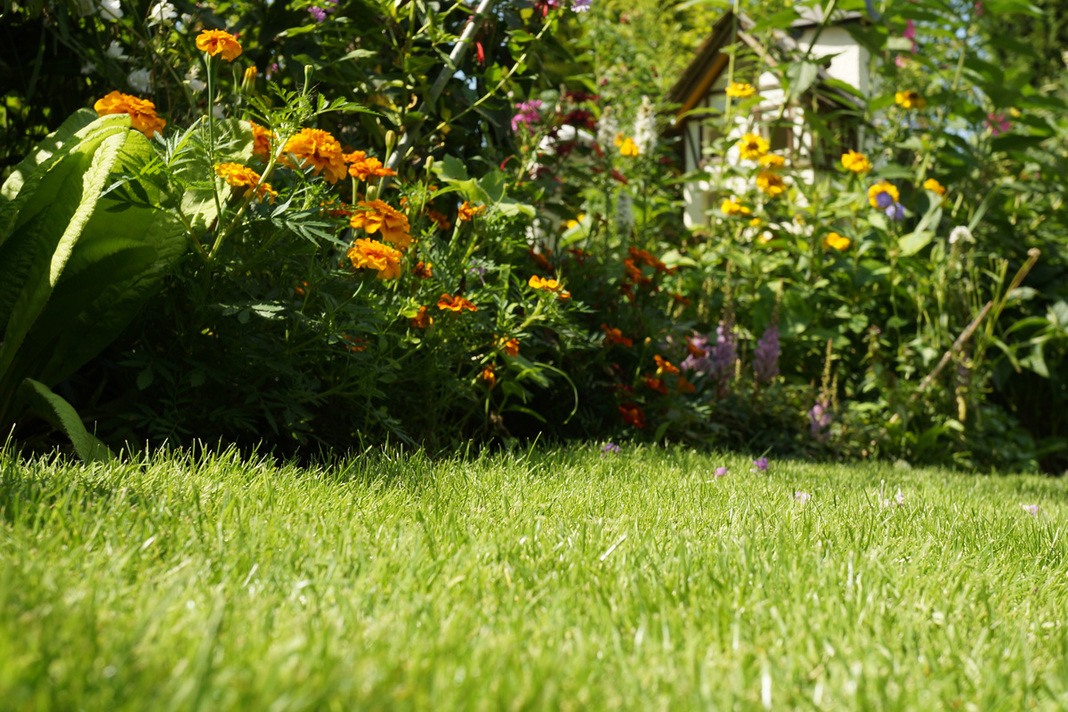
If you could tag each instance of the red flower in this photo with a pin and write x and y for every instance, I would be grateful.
(632, 415)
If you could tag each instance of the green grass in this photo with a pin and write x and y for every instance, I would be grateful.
(559, 580)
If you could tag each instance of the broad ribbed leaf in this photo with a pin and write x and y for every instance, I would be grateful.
(51, 407)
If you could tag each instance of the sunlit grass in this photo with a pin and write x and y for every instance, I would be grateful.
(562, 580)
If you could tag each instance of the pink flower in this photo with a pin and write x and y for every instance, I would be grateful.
(1032, 509)
(721, 471)
(801, 496)
(998, 123)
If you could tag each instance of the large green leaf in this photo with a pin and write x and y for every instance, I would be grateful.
(43, 402)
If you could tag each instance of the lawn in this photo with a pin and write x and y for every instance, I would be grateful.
(563, 579)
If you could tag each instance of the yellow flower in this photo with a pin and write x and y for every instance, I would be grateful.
(142, 112)
(836, 241)
(467, 212)
(730, 208)
(856, 162)
(548, 285)
(881, 188)
(377, 215)
(770, 183)
(320, 150)
(363, 168)
(772, 160)
(372, 254)
(934, 186)
(740, 90)
(572, 224)
(752, 146)
(239, 176)
(909, 99)
(216, 42)
(489, 376)
(626, 146)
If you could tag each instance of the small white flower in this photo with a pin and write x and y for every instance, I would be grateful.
(111, 9)
(161, 12)
(88, 68)
(115, 50)
(960, 233)
(192, 80)
(607, 129)
(899, 498)
(624, 213)
(217, 111)
(140, 80)
(645, 127)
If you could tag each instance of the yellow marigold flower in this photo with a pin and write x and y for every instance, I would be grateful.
(626, 146)
(730, 208)
(881, 188)
(377, 215)
(770, 183)
(772, 160)
(740, 90)
(934, 186)
(372, 254)
(856, 162)
(467, 212)
(261, 140)
(548, 285)
(363, 167)
(455, 303)
(909, 99)
(664, 366)
(320, 150)
(239, 176)
(142, 112)
(752, 146)
(836, 241)
(216, 42)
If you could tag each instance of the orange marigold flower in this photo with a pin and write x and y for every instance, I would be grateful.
(261, 140)
(489, 376)
(753, 146)
(684, 386)
(440, 220)
(646, 257)
(142, 112)
(455, 303)
(239, 176)
(300, 289)
(372, 254)
(468, 212)
(363, 167)
(510, 347)
(770, 183)
(664, 366)
(632, 415)
(655, 384)
(422, 319)
(613, 335)
(378, 215)
(856, 162)
(216, 42)
(423, 270)
(694, 350)
(320, 150)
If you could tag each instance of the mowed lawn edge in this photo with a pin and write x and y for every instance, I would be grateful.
(553, 579)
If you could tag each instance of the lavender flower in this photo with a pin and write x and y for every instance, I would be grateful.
(527, 113)
(800, 496)
(580, 5)
(895, 211)
(1032, 509)
(318, 13)
(766, 355)
(721, 471)
(760, 464)
(693, 362)
(819, 420)
(610, 448)
(724, 354)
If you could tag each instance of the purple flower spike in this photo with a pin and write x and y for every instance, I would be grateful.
(760, 464)
(580, 5)
(318, 13)
(766, 355)
(819, 420)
